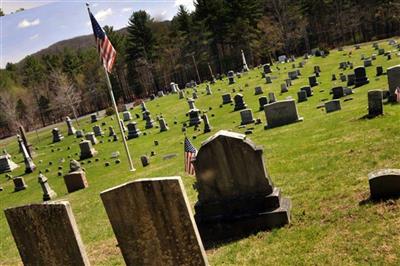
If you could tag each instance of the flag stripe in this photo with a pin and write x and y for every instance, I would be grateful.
(190, 154)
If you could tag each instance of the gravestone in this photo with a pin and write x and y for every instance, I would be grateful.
(302, 96)
(126, 116)
(194, 95)
(367, 62)
(393, 74)
(111, 132)
(343, 77)
(71, 129)
(48, 193)
(332, 106)
(181, 94)
(281, 113)
(351, 78)
(338, 92)
(267, 68)
(334, 77)
(145, 160)
(288, 82)
(160, 94)
(153, 223)
(133, 131)
(28, 146)
(343, 65)
(271, 97)
(312, 81)
(79, 134)
(258, 91)
(19, 184)
(87, 151)
(191, 103)
(236, 196)
(246, 116)
(97, 131)
(268, 79)
(125, 108)
(293, 75)
(207, 126)
(57, 137)
(93, 118)
(208, 89)
(360, 77)
(284, 88)
(384, 184)
(91, 137)
(381, 51)
(76, 178)
(226, 98)
(47, 234)
(29, 165)
(379, 71)
(239, 102)
(6, 164)
(375, 103)
(149, 122)
(163, 125)
(262, 101)
(194, 117)
(231, 77)
(308, 90)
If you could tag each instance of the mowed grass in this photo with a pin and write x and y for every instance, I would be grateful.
(321, 164)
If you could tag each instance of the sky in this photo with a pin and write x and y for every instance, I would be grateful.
(44, 23)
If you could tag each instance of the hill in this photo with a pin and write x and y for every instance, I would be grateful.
(321, 163)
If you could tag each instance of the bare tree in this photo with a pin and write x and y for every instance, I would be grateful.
(65, 94)
(8, 109)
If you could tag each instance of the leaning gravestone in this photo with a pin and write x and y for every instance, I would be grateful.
(384, 184)
(153, 223)
(281, 113)
(87, 151)
(57, 137)
(163, 125)
(393, 74)
(47, 234)
(29, 165)
(28, 146)
(375, 103)
(236, 197)
(71, 129)
(332, 106)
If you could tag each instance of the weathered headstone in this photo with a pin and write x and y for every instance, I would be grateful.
(284, 88)
(19, 184)
(28, 146)
(262, 101)
(393, 74)
(191, 103)
(91, 137)
(48, 193)
(87, 151)
(226, 98)
(302, 96)
(239, 102)
(246, 116)
(76, 178)
(47, 234)
(231, 77)
(194, 117)
(288, 82)
(258, 90)
(351, 78)
(308, 90)
(149, 122)
(71, 129)
(153, 223)
(271, 97)
(268, 79)
(313, 81)
(133, 131)
(181, 94)
(145, 160)
(29, 165)
(360, 76)
(163, 125)
(57, 137)
(97, 131)
(79, 133)
(111, 131)
(267, 68)
(367, 62)
(332, 106)
(281, 113)
(338, 92)
(207, 126)
(160, 94)
(384, 184)
(194, 95)
(93, 118)
(126, 116)
(379, 71)
(6, 164)
(375, 103)
(208, 89)
(236, 196)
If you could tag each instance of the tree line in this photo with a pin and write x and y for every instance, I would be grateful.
(43, 89)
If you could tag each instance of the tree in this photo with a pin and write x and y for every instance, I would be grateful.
(8, 109)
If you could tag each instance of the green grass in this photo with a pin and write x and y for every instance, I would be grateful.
(321, 164)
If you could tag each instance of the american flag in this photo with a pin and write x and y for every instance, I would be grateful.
(190, 153)
(104, 46)
(397, 92)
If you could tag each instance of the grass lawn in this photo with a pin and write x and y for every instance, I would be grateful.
(321, 164)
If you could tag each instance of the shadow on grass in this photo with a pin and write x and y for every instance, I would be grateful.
(370, 200)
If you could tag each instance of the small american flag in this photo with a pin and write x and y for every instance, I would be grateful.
(104, 46)
(190, 153)
(397, 92)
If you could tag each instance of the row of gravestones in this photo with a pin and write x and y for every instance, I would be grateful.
(152, 219)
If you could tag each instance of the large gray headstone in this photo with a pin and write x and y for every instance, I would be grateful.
(47, 234)
(332, 106)
(236, 196)
(384, 183)
(153, 223)
(375, 103)
(393, 74)
(281, 113)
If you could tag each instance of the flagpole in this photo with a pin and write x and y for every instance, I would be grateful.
(131, 168)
